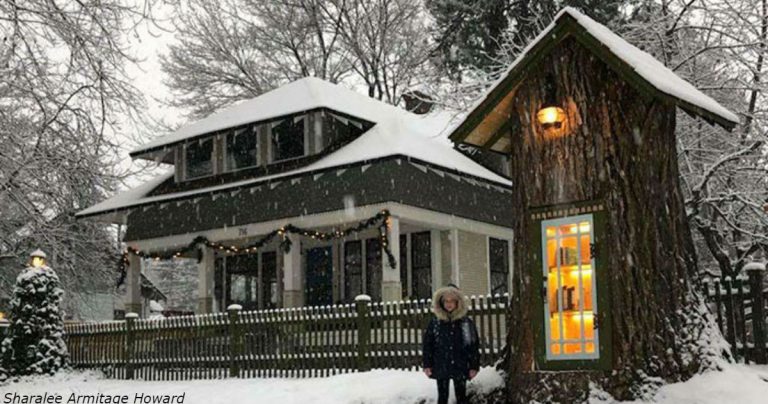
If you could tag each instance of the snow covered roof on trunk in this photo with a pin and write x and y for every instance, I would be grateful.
(634, 61)
(298, 96)
(396, 133)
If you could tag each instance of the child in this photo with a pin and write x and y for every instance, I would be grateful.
(450, 344)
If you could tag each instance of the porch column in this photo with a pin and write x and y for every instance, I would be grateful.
(133, 285)
(436, 258)
(293, 285)
(205, 271)
(392, 288)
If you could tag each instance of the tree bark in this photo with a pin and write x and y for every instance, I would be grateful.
(616, 147)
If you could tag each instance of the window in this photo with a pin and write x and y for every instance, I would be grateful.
(353, 269)
(288, 139)
(403, 263)
(218, 281)
(569, 276)
(498, 261)
(337, 128)
(373, 269)
(421, 265)
(269, 279)
(242, 146)
(198, 157)
(242, 281)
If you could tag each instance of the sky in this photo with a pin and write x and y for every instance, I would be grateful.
(147, 44)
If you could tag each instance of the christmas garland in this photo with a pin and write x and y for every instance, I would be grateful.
(380, 220)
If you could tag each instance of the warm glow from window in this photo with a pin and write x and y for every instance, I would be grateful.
(570, 302)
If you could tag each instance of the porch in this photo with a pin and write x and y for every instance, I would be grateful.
(432, 249)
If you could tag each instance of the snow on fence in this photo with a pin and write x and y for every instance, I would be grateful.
(299, 342)
(739, 306)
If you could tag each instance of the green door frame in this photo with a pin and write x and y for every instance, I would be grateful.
(536, 216)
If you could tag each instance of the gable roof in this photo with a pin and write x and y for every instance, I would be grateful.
(302, 95)
(639, 68)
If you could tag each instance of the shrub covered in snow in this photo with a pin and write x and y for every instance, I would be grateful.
(34, 342)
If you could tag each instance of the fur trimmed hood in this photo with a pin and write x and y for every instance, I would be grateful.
(440, 312)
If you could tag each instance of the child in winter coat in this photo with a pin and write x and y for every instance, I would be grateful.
(450, 344)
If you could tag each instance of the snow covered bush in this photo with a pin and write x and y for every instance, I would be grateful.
(34, 343)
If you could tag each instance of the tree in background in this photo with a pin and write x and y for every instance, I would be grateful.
(467, 33)
(239, 49)
(64, 98)
(474, 36)
(232, 50)
(386, 43)
(720, 46)
(34, 343)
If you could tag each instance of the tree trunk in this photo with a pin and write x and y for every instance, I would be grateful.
(617, 148)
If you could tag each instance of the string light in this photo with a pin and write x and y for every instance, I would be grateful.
(380, 218)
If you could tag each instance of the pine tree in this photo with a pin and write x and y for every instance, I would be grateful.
(470, 34)
(34, 343)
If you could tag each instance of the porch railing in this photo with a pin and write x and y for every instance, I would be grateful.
(300, 342)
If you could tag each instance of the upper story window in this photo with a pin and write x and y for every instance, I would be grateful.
(198, 157)
(288, 139)
(242, 148)
(336, 127)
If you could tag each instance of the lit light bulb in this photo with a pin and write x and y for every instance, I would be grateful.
(37, 259)
(551, 117)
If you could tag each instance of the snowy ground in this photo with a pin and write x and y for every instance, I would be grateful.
(377, 386)
(736, 384)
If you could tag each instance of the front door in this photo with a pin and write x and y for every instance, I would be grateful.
(319, 289)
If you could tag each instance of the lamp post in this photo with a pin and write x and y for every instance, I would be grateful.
(37, 259)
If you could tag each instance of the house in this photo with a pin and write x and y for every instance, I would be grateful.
(334, 175)
(605, 268)
(108, 305)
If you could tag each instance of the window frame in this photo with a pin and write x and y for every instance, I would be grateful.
(225, 145)
(558, 222)
(347, 294)
(426, 269)
(508, 258)
(231, 267)
(185, 147)
(305, 141)
(373, 255)
(264, 302)
(533, 265)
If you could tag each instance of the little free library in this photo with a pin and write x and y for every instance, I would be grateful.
(312, 194)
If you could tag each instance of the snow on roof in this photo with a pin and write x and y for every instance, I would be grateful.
(397, 132)
(650, 69)
(664, 79)
(125, 198)
(301, 95)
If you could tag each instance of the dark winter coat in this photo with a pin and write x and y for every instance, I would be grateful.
(450, 343)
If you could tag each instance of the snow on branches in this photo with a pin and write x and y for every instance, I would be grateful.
(34, 343)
